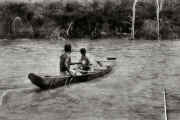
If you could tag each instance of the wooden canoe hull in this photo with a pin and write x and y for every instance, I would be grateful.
(47, 82)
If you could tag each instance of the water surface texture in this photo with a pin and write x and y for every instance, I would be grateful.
(132, 91)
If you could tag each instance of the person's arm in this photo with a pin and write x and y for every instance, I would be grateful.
(67, 64)
(89, 63)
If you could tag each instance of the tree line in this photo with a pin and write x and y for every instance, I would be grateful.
(95, 20)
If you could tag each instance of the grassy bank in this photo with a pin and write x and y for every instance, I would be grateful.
(87, 19)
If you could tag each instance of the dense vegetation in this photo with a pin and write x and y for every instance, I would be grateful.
(74, 20)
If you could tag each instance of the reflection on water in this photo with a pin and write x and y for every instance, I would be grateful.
(133, 91)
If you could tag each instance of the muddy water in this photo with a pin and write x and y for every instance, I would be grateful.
(132, 91)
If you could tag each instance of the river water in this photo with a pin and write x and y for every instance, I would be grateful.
(132, 91)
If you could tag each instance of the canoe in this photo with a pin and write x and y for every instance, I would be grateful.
(47, 82)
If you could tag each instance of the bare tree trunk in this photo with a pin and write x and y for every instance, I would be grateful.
(157, 14)
(67, 31)
(133, 18)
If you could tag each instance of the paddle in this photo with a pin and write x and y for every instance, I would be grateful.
(111, 58)
(72, 77)
(107, 59)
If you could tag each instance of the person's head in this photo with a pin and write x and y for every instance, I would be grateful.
(67, 48)
(83, 51)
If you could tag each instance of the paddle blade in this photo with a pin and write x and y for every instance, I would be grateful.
(111, 58)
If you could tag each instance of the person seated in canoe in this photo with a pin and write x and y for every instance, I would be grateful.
(65, 60)
(84, 61)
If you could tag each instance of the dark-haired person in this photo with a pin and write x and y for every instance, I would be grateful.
(65, 60)
(85, 63)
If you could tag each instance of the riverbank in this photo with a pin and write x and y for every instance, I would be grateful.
(95, 19)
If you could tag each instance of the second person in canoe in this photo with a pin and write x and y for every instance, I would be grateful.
(84, 61)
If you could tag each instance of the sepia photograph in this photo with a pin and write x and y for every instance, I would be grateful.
(89, 60)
